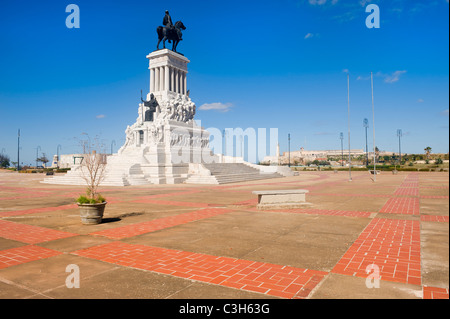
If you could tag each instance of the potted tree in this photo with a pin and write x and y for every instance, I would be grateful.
(92, 166)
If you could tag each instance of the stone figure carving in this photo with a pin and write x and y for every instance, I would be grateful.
(177, 109)
(171, 32)
(152, 104)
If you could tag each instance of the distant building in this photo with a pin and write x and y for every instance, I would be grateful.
(302, 156)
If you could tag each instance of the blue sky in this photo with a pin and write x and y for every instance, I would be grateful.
(260, 64)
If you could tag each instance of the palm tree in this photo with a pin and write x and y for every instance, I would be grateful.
(427, 151)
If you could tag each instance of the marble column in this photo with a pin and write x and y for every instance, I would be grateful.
(175, 77)
(184, 83)
(166, 78)
(152, 80)
(172, 79)
(161, 78)
(156, 79)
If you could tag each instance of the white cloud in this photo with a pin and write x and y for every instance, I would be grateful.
(318, 2)
(309, 35)
(323, 133)
(363, 78)
(444, 112)
(394, 77)
(221, 107)
(364, 2)
(345, 71)
(321, 2)
(100, 116)
(420, 101)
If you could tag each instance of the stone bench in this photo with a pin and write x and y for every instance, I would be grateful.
(279, 199)
(377, 172)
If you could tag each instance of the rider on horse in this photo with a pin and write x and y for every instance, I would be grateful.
(167, 22)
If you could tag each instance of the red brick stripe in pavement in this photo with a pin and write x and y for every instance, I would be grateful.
(270, 279)
(324, 212)
(401, 205)
(161, 223)
(434, 218)
(30, 234)
(435, 293)
(171, 203)
(36, 210)
(391, 244)
(407, 191)
(20, 255)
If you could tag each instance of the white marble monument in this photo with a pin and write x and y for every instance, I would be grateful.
(165, 145)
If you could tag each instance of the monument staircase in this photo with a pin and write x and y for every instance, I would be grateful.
(223, 173)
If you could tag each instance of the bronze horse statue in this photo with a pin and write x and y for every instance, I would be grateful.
(173, 35)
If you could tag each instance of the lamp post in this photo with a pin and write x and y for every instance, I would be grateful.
(373, 128)
(348, 106)
(18, 148)
(37, 154)
(341, 136)
(366, 125)
(57, 154)
(289, 150)
(399, 135)
(112, 142)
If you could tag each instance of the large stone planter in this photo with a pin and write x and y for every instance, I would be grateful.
(91, 214)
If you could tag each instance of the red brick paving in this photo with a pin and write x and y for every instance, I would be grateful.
(24, 254)
(36, 210)
(161, 223)
(30, 234)
(434, 218)
(407, 191)
(435, 293)
(171, 203)
(401, 205)
(270, 279)
(325, 212)
(393, 245)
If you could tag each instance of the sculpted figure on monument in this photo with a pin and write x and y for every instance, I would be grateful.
(170, 31)
(152, 104)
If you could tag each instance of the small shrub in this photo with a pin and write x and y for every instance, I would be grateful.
(84, 200)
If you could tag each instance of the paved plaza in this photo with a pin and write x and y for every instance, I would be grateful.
(209, 241)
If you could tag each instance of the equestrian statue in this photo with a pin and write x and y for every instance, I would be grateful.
(171, 32)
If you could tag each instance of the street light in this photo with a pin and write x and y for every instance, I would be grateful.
(37, 154)
(341, 136)
(348, 107)
(289, 150)
(57, 154)
(112, 142)
(366, 125)
(399, 135)
(18, 150)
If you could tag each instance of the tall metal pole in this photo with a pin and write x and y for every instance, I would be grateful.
(18, 148)
(373, 127)
(289, 150)
(57, 154)
(112, 142)
(366, 125)
(37, 154)
(399, 134)
(349, 156)
(342, 148)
